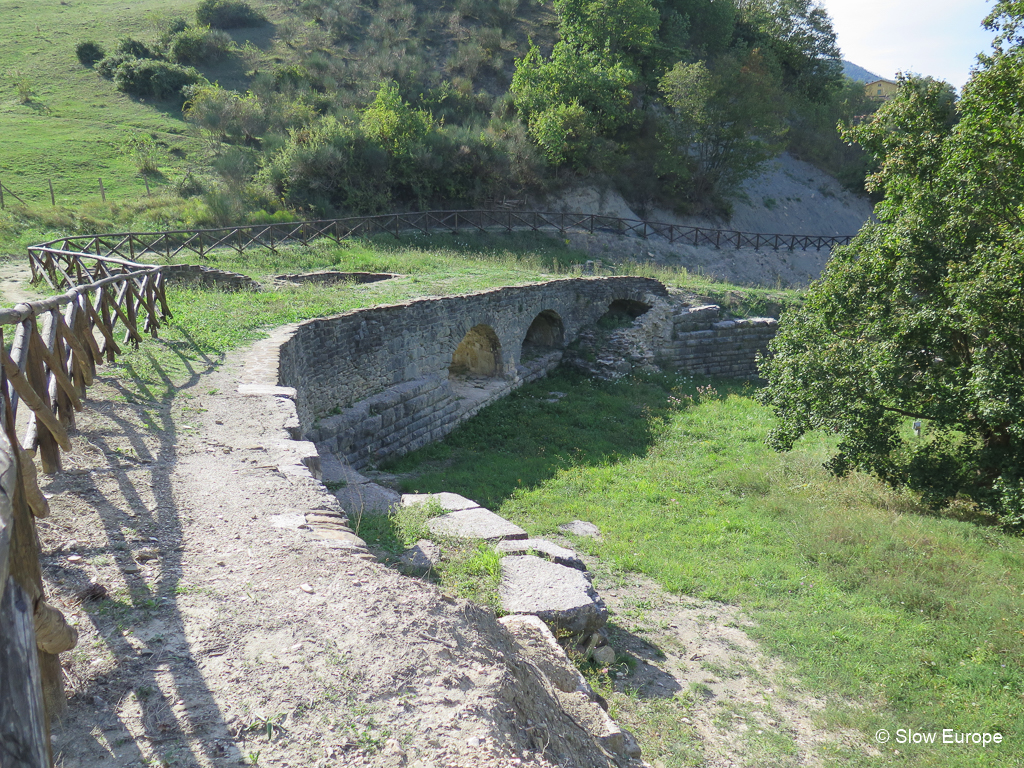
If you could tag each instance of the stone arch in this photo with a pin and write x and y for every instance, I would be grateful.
(478, 354)
(546, 333)
(622, 312)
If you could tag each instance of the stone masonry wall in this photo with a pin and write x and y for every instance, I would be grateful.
(335, 362)
(702, 342)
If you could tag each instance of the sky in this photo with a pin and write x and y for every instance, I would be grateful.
(929, 37)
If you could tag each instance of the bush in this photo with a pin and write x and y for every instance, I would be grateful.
(109, 64)
(228, 14)
(195, 45)
(128, 46)
(146, 77)
(89, 52)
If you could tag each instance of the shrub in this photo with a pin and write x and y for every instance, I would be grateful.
(109, 64)
(228, 14)
(128, 46)
(146, 77)
(195, 45)
(89, 52)
(172, 27)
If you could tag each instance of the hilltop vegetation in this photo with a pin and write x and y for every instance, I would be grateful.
(328, 106)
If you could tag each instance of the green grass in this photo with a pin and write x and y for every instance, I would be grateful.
(70, 132)
(72, 128)
(899, 618)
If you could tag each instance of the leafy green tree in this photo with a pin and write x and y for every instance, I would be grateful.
(706, 25)
(797, 35)
(620, 30)
(573, 96)
(922, 316)
(392, 123)
(726, 121)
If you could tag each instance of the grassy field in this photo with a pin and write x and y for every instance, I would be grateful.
(61, 121)
(898, 618)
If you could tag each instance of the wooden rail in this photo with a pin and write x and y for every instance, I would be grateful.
(169, 244)
(56, 344)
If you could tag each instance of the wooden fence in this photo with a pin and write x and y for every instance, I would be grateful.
(169, 244)
(56, 344)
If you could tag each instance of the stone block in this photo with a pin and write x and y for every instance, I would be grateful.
(478, 523)
(421, 558)
(581, 528)
(562, 597)
(542, 548)
(450, 501)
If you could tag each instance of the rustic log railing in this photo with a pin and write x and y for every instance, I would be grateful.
(55, 346)
(169, 244)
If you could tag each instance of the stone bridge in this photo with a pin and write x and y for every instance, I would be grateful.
(376, 383)
(383, 381)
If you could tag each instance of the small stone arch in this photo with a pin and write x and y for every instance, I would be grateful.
(545, 334)
(621, 313)
(478, 354)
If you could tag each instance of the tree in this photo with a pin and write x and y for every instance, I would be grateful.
(620, 30)
(922, 316)
(727, 121)
(798, 36)
(570, 99)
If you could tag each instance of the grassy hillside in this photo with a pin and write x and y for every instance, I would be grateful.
(71, 128)
(288, 114)
(60, 121)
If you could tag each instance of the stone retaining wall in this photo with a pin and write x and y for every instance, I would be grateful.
(208, 277)
(702, 342)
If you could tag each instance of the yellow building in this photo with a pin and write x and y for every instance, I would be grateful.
(880, 90)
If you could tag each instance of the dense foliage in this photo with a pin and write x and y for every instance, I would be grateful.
(922, 316)
(228, 14)
(510, 99)
(89, 52)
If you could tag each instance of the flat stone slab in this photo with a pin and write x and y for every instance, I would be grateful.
(340, 537)
(421, 558)
(581, 528)
(544, 549)
(562, 597)
(367, 499)
(267, 389)
(535, 638)
(288, 520)
(450, 501)
(478, 523)
(333, 471)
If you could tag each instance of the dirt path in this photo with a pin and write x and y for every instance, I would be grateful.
(228, 634)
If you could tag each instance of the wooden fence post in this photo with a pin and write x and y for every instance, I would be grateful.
(103, 192)
(53, 200)
(1, 196)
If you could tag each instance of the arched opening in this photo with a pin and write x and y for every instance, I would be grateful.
(621, 313)
(545, 334)
(478, 354)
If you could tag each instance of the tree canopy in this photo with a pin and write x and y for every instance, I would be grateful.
(922, 316)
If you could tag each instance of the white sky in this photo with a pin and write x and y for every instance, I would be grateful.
(930, 37)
